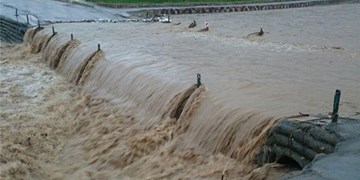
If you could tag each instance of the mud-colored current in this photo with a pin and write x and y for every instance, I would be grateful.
(132, 109)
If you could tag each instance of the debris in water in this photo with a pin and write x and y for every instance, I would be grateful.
(261, 32)
(192, 24)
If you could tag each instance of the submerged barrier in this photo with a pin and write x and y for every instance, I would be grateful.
(298, 141)
(168, 100)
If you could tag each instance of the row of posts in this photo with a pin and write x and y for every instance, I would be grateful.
(27, 16)
(71, 35)
(335, 115)
(198, 79)
(198, 76)
(198, 84)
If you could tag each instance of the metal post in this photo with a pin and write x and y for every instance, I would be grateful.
(71, 36)
(27, 19)
(198, 83)
(53, 30)
(98, 47)
(38, 23)
(16, 12)
(169, 15)
(336, 106)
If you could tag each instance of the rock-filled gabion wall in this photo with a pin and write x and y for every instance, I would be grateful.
(241, 8)
(11, 31)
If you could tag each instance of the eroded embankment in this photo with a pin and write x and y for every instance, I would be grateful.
(159, 130)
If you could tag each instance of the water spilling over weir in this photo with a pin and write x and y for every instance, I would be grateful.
(168, 128)
(195, 124)
(180, 106)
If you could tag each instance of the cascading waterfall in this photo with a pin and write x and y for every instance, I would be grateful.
(173, 113)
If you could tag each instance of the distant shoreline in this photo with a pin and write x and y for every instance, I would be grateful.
(235, 8)
(180, 4)
(140, 4)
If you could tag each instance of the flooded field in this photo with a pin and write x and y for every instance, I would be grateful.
(136, 113)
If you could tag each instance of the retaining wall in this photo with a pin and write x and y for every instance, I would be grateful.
(11, 31)
(242, 8)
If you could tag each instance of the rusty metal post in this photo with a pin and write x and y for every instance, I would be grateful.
(169, 15)
(27, 19)
(336, 106)
(198, 78)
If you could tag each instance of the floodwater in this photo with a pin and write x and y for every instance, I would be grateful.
(144, 118)
(296, 66)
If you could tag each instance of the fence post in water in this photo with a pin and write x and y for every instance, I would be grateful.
(16, 12)
(53, 30)
(169, 15)
(38, 23)
(198, 83)
(27, 19)
(98, 47)
(71, 37)
(336, 106)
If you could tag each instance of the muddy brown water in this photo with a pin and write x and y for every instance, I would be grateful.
(143, 118)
